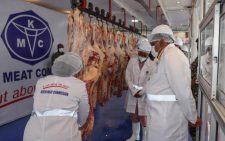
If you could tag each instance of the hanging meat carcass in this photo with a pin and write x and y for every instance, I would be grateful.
(93, 59)
(118, 83)
(79, 34)
(125, 61)
(97, 48)
(116, 64)
(104, 79)
(113, 63)
(131, 46)
(105, 55)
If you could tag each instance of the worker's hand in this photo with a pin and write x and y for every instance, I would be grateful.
(137, 95)
(196, 81)
(197, 124)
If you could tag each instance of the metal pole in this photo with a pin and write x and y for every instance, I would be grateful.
(84, 4)
(134, 21)
(161, 17)
(149, 4)
(146, 30)
(110, 9)
(124, 16)
(141, 27)
(157, 13)
(215, 50)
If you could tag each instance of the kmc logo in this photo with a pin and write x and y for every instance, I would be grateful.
(27, 37)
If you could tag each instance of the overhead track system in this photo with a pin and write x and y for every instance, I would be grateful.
(108, 17)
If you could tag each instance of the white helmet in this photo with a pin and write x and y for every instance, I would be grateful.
(144, 45)
(178, 41)
(163, 30)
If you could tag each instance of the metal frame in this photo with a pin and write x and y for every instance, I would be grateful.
(206, 20)
(219, 114)
(213, 14)
(204, 85)
(217, 127)
(199, 112)
(209, 91)
(220, 94)
(108, 18)
(200, 97)
(208, 15)
(204, 13)
(213, 127)
(215, 50)
(210, 8)
(216, 107)
(222, 8)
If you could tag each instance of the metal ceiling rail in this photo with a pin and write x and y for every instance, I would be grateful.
(124, 17)
(156, 13)
(100, 14)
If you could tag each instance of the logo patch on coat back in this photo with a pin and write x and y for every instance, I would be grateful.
(27, 37)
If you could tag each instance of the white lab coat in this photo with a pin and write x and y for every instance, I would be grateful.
(206, 67)
(57, 127)
(135, 76)
(168, 120)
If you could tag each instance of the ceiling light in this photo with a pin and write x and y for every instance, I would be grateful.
(134, 21)
(178, 2)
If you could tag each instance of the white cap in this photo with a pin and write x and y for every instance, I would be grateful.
(144, 45)
(68, 64)
(178, 41)
(209, 41)
(163, 30)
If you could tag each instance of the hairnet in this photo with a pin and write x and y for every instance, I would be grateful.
(68, 64)
(160, 36)
(144, 45)
(208, 43)
(161, 31)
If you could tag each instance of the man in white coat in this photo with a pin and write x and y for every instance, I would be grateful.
(60, 103)
(170, 104)
(179, 43)
(138, 72)
(206, 61)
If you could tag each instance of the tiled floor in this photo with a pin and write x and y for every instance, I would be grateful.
(112, 123)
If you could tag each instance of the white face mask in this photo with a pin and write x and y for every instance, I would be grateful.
(142, 59)
(154, 53)
(61, 50)
(209, 55)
